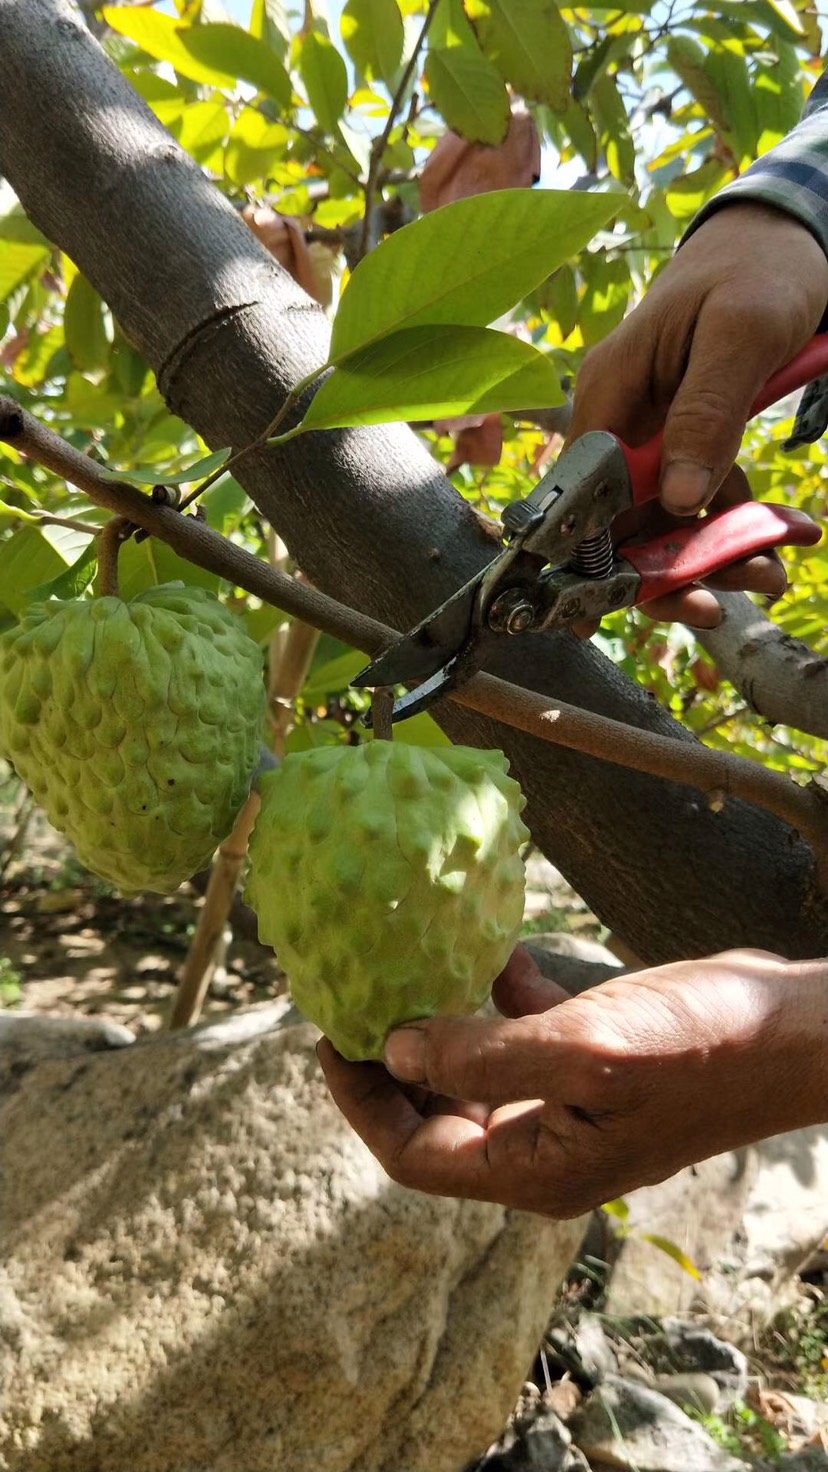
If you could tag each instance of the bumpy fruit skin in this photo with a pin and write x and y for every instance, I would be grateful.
(388, 879)
(137, 727)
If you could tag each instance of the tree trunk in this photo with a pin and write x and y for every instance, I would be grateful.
(366, 513)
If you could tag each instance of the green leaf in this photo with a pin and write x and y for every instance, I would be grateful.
(468, 92)
(731, 79)
(325, 78)
(17, 227)
(466, 263)
(609, 109)
(72, 582)
(253, 148)
(227, 48)
(270, 23)
(84, 327)
(16, 513)
(670, 1248)
(434, 372)
(17, 264)
(786, 13)
(558, 297)
(373, 32)
(23, 251)
(162, 36)
(529, 42)
(618, 1208)
(225, 503)
(689, 192)
(37, 360)
(146, 564)
(332, 677)
(32, 556)
(421, 730)
(199, 470)
(201, 129)
(605, 300)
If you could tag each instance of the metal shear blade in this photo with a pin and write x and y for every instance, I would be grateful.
(421, 654)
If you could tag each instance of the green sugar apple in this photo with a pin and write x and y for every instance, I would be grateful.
(136, 725)
(388, 879)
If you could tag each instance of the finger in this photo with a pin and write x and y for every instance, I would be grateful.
(692, 606)
(497, 1061)
(707, 418)
(449, 1154)
(764, 573)
(522, 989)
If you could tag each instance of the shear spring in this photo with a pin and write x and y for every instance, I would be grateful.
(594, 557)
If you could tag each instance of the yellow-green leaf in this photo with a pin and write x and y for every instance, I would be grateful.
(253, 147)
(325, 78)
(434, 372)
(228, 48)
(468, 262)
(671, 1250)
(468, 91)
(529, 42)
(83, 325)
(162, 36)
(373, 32)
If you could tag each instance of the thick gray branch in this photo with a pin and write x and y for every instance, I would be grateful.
(366, 513)
(779, 677)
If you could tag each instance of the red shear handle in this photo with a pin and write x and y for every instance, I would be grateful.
(645, 462)
(691, 553)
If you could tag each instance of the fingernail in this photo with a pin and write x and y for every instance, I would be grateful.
(405, 1054)
(685, 487)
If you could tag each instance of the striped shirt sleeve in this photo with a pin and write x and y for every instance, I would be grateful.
(793, 176)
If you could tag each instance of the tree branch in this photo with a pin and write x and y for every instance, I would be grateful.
(367, 513)
(718, 775)
(380, 144)
(781, 679)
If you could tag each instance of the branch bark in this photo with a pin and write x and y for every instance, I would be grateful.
(783, 680)
(719, 776)
(366, 513)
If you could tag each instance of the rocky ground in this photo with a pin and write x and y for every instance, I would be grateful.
(611, 1387)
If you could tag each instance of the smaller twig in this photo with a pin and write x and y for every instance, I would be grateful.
(224, 878)
(382, 708)
(261, 439)
(380, 144)
(110, 541)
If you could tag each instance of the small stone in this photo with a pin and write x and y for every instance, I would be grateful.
(631, 1426)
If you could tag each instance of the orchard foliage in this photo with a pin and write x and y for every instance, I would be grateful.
(337, 133)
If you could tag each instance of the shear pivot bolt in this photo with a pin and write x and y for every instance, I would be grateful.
(512, 613)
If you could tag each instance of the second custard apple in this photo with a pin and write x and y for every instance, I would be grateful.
(136, 725)
(388, 879)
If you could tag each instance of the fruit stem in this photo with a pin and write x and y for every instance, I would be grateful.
(114, 533)
(382, 707)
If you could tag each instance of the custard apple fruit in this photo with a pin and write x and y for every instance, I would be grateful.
(136, 725)
(389, 881)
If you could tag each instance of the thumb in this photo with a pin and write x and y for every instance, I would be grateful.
(474, 1058)
(706, 421)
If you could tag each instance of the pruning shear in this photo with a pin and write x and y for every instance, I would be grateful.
(559, 565)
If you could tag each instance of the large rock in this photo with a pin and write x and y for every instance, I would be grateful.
(748, 1220)
(205, 1271)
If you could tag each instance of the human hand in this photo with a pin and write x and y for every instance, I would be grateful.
(735, 303)
(565, 1104)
